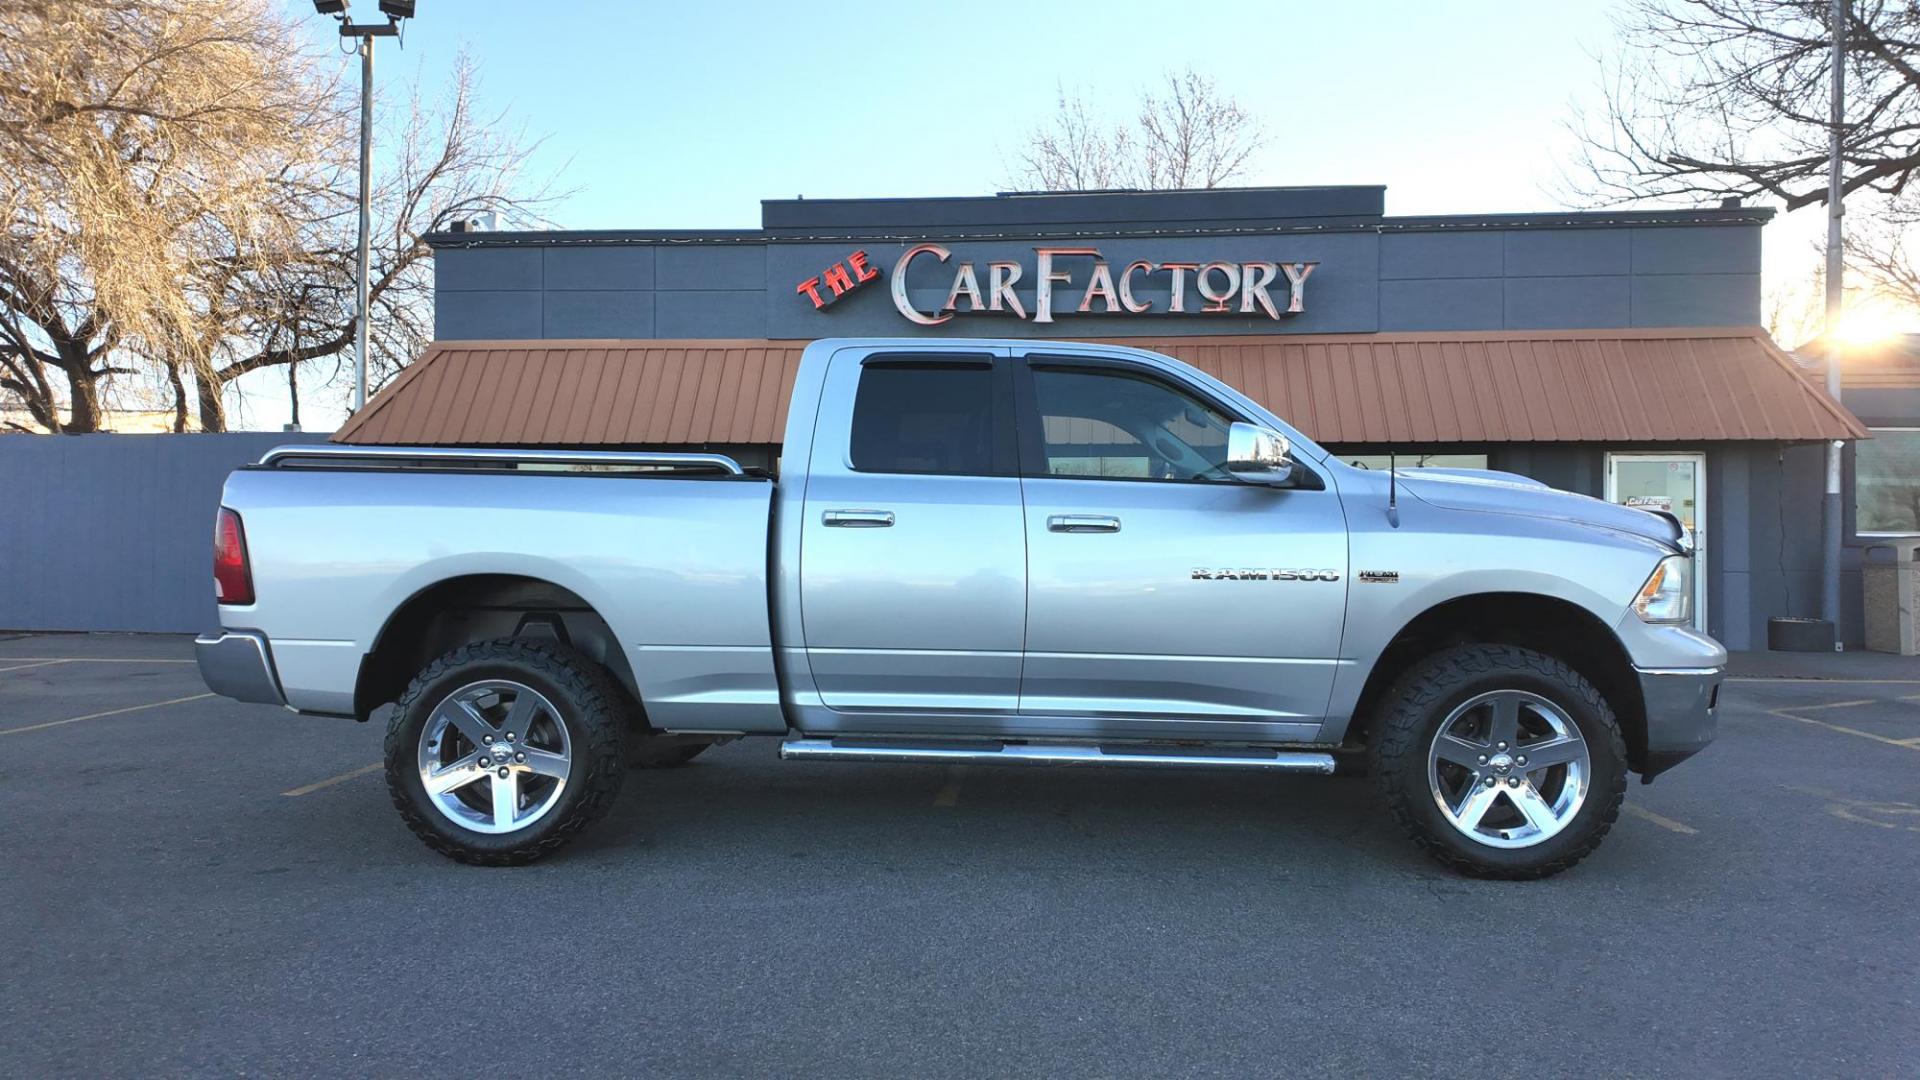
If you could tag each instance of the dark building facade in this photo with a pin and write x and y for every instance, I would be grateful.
(1615, 354)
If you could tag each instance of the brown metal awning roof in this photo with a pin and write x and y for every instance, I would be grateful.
(1659, 385)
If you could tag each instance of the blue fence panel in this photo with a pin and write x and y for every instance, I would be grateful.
(115, 532)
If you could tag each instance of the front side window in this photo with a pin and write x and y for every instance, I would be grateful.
(1112, 425)
(927, 418)
(1886, 483)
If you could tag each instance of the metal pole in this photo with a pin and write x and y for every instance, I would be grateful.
(366, 214)
(1830, 505)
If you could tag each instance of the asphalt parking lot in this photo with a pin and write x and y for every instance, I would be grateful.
(191, 885)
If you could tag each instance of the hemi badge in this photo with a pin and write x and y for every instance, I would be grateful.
(1381, 577)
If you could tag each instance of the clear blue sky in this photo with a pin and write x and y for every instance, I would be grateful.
(662, 115)
(686, 115)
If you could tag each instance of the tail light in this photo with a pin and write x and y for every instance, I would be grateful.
(232, 577)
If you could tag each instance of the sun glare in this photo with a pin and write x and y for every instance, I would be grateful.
(1867, 326)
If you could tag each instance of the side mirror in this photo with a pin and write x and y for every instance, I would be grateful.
(1257, 455)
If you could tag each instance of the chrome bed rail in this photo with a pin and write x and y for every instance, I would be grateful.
(324, 454)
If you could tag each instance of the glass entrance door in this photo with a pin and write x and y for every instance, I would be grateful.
(1677, 484)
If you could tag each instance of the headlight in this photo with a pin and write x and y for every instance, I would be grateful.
(1667, 597)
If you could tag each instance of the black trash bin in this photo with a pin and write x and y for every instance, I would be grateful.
(1799, 635)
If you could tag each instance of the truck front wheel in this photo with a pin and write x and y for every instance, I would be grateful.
(500, 751)
(1499, 761)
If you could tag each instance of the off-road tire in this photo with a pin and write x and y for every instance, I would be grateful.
(648, 751)
(591, 705)
(1409, 714)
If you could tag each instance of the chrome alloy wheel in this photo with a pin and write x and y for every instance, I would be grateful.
(494, 756)
(1508, 769)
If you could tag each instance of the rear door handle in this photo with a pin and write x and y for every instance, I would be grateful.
(857, 519)
(1083, 523)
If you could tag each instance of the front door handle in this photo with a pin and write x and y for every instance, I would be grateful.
(1083, 523)
(857, 519)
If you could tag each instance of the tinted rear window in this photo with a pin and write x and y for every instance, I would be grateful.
(924, 418)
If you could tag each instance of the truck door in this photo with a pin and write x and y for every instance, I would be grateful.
(1164, 597)
(913, 552)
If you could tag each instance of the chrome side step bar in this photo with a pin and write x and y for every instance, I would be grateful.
(1294, 761)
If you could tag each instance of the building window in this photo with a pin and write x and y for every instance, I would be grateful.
(1108, 425)
(924, 418)
(1886, 483)
(1415, 461)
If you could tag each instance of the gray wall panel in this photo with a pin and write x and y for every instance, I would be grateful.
(1782, 542)
(1440, 255)
(1883, 406)
(710, 266)
(482, 316)
(1698, 250)
(1729, 543)
(1442, 304)
(1555, 303)
(1730, 518)
(1553, 252)
(710, 314)
(1696, 300)
(599, 313)
(577, 267)
(115, 532)
(488, 268)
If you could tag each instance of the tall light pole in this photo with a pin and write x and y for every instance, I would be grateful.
(1830, 506)
(363, 35)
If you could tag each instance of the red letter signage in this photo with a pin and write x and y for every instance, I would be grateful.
(840, 279)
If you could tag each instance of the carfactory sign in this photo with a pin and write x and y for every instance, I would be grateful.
(1087, 281)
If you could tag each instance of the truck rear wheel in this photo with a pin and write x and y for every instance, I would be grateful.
(500, 751)
(1499, 761)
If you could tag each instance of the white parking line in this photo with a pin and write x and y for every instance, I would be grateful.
(332, 780)
(1660, 820)
(98, 715)
(1904, 744)
(34, 664)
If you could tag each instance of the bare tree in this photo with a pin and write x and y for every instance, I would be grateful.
(1881, 253)
(1794, 312)
(1729, 98)
(1188, 136)
(130, 132)
(449, 165)
(1191, 137)
(1075, 152)
(179, 183)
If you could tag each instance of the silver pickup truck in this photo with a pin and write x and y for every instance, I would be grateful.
(977, 552)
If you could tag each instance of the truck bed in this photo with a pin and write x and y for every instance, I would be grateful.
(675, 562)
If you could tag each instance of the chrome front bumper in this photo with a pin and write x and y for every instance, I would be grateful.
(238, 664)
(1682, 714)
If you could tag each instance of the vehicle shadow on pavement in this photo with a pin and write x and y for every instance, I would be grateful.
(1093, 819)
